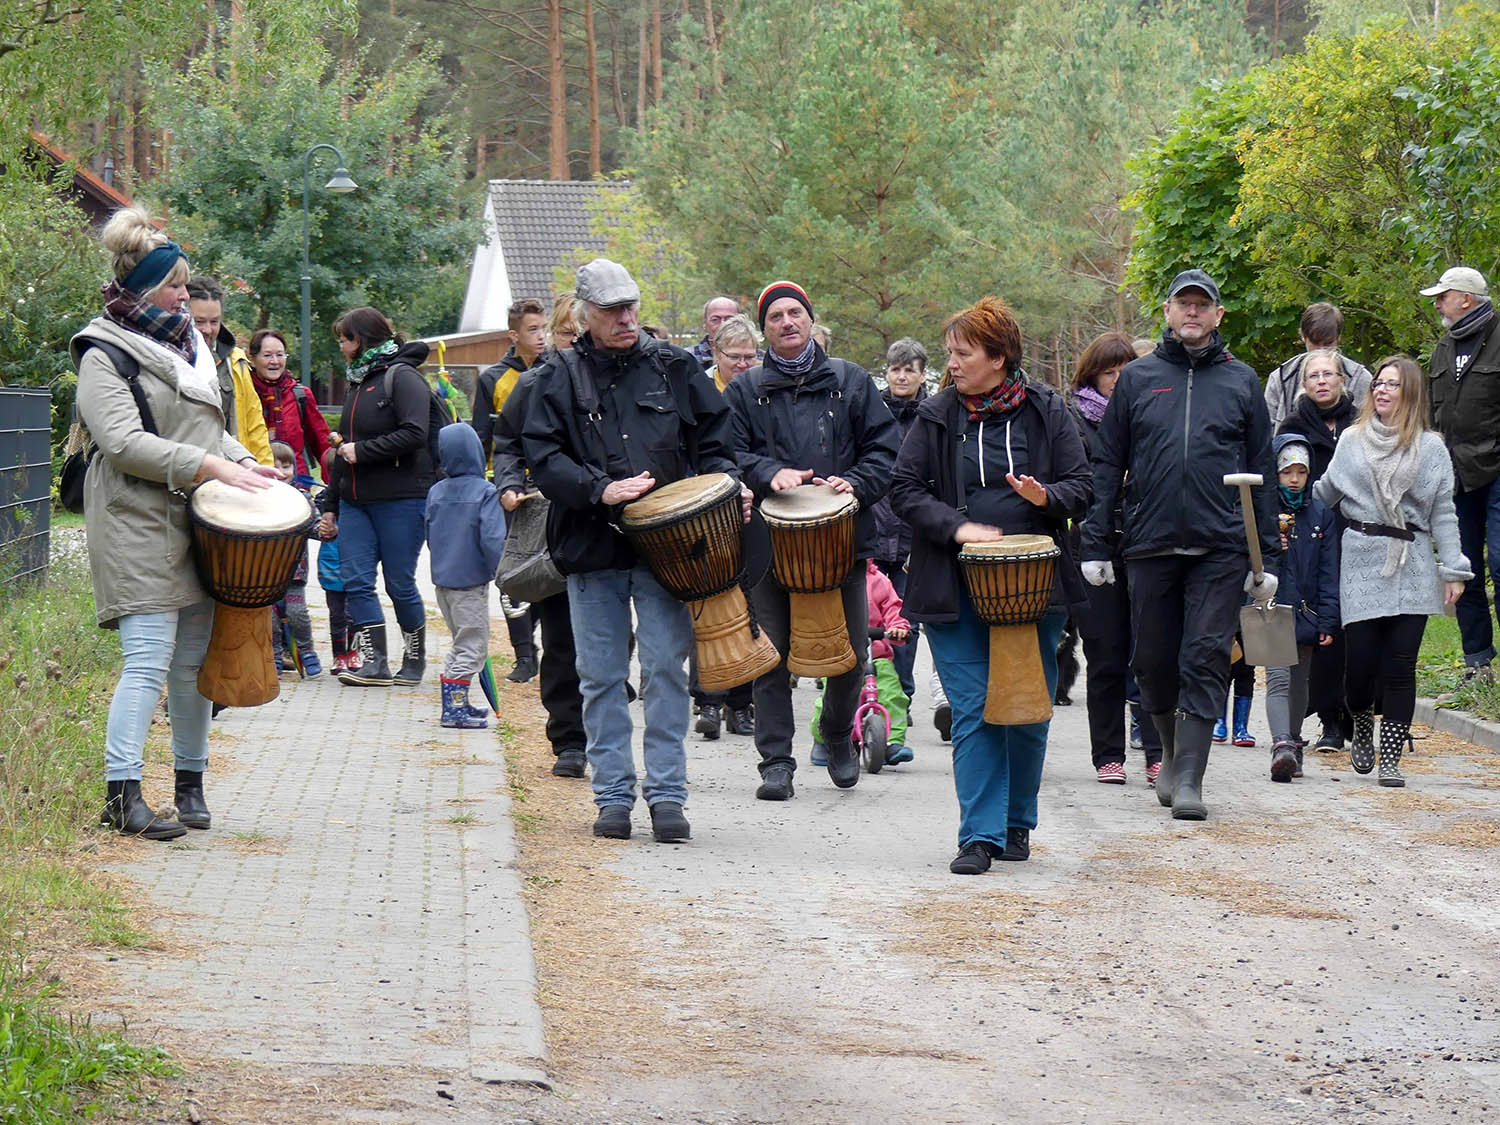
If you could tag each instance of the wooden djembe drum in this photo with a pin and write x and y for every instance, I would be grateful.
(1010, 584)
(812, 553)
(691, 534)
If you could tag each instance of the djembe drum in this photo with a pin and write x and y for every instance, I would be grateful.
(1010, 584)
(812, 553)
(690, 533)
(246, 546)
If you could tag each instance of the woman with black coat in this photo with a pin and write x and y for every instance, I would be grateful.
(381, 476)
(990, 455)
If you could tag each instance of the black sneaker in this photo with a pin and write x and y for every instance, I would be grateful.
(775, 784)
(523, 672)
(1331, 741)
(972, 859)
(942, 718)
(1017, 845)
(709, 721)
(668, 824)
(570, 763)
(613, 822)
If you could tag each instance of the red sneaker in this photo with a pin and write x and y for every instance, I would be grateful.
(1112, 773)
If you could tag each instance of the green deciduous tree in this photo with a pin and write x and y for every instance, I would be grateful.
(242, 117)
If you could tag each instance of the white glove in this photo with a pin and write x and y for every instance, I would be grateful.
(1098, 572)
(1264, 590)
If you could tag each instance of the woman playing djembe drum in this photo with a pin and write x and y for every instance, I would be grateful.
(137, 524)
(992, 458)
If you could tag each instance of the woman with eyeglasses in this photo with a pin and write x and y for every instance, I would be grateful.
(1392, 481)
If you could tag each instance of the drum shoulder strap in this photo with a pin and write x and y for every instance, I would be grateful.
(127, 368)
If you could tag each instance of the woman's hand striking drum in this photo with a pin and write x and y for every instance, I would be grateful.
(1010, 582)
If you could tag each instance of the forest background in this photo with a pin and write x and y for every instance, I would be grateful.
(899, 158)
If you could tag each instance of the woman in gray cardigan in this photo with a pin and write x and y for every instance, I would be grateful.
(137, 525)
(1392, 481)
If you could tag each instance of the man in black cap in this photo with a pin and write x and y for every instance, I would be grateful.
(802, 418)
(1178, 421)
(609, 419)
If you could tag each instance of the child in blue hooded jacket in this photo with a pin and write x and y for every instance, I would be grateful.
(1309, 583)
(465, 535)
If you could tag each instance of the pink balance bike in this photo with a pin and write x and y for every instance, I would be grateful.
(872, 722)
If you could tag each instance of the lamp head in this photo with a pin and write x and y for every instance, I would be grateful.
(341, 182)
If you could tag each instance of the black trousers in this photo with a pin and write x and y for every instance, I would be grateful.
(1185, 610)
(736, 698)
(774, 724)
(1105, 630)
(1325, 696)
(1381, 666)
(521, 630)
(559, 674)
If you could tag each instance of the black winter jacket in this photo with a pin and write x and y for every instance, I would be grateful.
(1178, 426)
(926, 491)
(509, 460)
(1308, 422)
(594, 417)
(1466, 411)
(892, 533)
(395, 462)
(483, 415)
(831, 421)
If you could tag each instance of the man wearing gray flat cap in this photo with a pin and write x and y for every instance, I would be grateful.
(1464, 403)
(1180, 419)
(614, 416)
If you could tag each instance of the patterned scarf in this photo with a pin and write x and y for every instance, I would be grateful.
(801, 365)
(357, 370)
(1091, 403)
(1393, 470)
(131, 311)
(1005, 396)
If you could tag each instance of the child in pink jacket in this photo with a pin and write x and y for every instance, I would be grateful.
(885, 613)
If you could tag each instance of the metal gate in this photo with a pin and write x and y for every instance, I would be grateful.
(25, 484)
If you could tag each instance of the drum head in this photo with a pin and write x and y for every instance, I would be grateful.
(678, 498)
(1010, 546)
(280, 508)
(807, 503)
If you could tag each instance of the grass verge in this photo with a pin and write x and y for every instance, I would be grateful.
(1440, 672)
(57, 672)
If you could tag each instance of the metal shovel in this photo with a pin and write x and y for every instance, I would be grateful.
(1268, 633)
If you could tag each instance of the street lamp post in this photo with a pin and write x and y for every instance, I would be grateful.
(342, 184)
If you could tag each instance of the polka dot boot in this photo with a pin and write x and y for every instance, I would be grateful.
(1362, 745)
(1393, 738)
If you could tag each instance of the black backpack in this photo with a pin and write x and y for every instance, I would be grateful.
(438, 412)
(75, 469)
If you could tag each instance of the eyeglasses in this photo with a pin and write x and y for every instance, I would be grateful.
(1385, 385)
(741, 358)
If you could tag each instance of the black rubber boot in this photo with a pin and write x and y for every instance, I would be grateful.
(126, 811)
(1393, 738)
(372, 669)
(1190, 762)
(1166, 727)
(413, 656)
(843, 763)
(1362, 745)
(192, 809)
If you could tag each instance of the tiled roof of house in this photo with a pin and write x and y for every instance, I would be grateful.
(541, 223)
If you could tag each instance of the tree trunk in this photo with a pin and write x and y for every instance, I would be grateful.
(128, 178)
(713, 43)
(655, 52)
(641, 56)
(617, 88)
(596, 145)
(557, 152)
(481, 143)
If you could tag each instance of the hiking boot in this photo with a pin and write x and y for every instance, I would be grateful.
(710, 721)
(741, 720)
(1017, 845)
(1284, 761)
(372, 669)
(570, 763)
(126, 811)
(973, 858)
(192, 809)
(776, 784)
(524, 670)
(668, 824)
(613, 822)
(413, 657)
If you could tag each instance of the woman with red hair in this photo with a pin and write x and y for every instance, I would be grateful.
(991, 454)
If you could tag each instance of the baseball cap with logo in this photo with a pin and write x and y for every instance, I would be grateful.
(606, 285)
(1194, 279)
(1461, 278)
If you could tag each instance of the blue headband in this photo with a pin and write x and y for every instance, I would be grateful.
(153, 269)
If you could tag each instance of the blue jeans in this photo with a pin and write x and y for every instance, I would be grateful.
(997, 770)
(1478, 512)
(905, 656)
(600, 608)
(160, 647)
(390, 533)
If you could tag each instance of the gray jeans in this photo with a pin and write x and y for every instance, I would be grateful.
(466, 611)
(1286, 697)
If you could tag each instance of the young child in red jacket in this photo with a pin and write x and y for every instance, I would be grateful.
(885, 613)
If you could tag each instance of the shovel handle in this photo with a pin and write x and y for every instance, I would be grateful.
(1247, 509)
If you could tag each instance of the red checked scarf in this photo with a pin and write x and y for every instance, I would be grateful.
(999, 399)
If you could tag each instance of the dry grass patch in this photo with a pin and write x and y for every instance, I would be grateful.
(1466, 834)
(1237, 893)
(967, 933)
